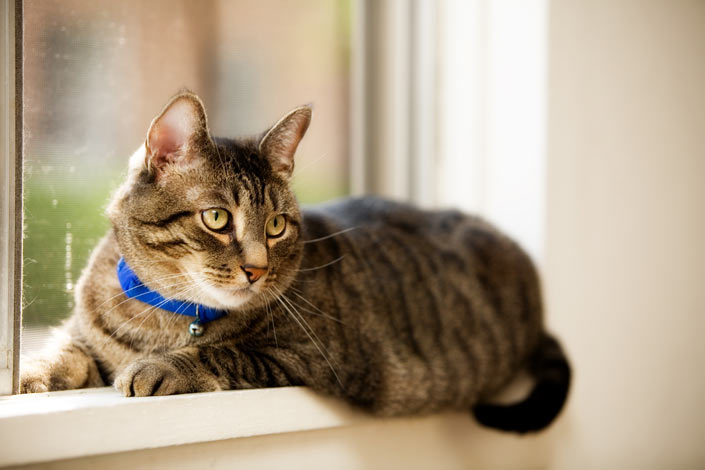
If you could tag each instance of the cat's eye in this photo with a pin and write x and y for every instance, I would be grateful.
(275, 226)
(216, 218)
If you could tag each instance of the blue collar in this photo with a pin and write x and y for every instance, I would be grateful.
(133, 288)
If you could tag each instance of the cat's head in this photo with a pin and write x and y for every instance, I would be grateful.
(211, 220)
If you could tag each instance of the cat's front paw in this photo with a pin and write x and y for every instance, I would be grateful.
(35, 377)
(151, 377)
(34, 383)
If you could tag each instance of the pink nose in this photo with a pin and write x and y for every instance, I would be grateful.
(253, 272)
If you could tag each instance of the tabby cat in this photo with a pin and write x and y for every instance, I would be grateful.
(212, 278)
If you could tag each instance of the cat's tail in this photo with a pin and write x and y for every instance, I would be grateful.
(551, 370)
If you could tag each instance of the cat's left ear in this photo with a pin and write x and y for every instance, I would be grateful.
(180, 128)
(279, 143)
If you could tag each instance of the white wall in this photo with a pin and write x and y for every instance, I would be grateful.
(625, 244)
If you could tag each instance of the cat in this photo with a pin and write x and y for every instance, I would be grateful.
(212, 278)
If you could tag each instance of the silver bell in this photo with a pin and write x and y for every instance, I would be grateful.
(196, 328)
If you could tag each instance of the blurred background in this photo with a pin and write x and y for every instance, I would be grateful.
(577, 126)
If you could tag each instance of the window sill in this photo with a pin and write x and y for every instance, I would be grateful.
(61, 425)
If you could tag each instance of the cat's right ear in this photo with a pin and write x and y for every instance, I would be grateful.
(180, 128)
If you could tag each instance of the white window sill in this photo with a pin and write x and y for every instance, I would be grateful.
(60, 425)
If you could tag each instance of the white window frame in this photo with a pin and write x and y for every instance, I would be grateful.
(492, 131)
(73, 423)
(449, 108)
(10, 197)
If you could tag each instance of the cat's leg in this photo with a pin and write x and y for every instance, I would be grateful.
(201, 369)
(63, 365)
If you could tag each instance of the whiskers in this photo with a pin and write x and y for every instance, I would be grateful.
(330, 263)
(318, 311)
(334, 234)
(154, 308)
(161, 279)
(267, 293)
(290, 308)
(326, 237)
(182, 285)
(149, 310)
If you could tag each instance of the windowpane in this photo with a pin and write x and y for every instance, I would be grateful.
(96, 73)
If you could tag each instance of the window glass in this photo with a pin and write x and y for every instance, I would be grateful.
(96, 73)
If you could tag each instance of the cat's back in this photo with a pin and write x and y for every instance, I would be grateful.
(443, 284)
(395, 245)
(446, 230)
(371, 212)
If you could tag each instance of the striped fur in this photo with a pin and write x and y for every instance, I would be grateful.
(395, 309)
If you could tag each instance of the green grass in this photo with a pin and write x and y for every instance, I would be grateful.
(64, 220)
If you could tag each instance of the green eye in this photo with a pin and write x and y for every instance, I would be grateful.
(275, 226)
(215, 219)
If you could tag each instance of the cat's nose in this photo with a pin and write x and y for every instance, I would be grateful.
(253, 272)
